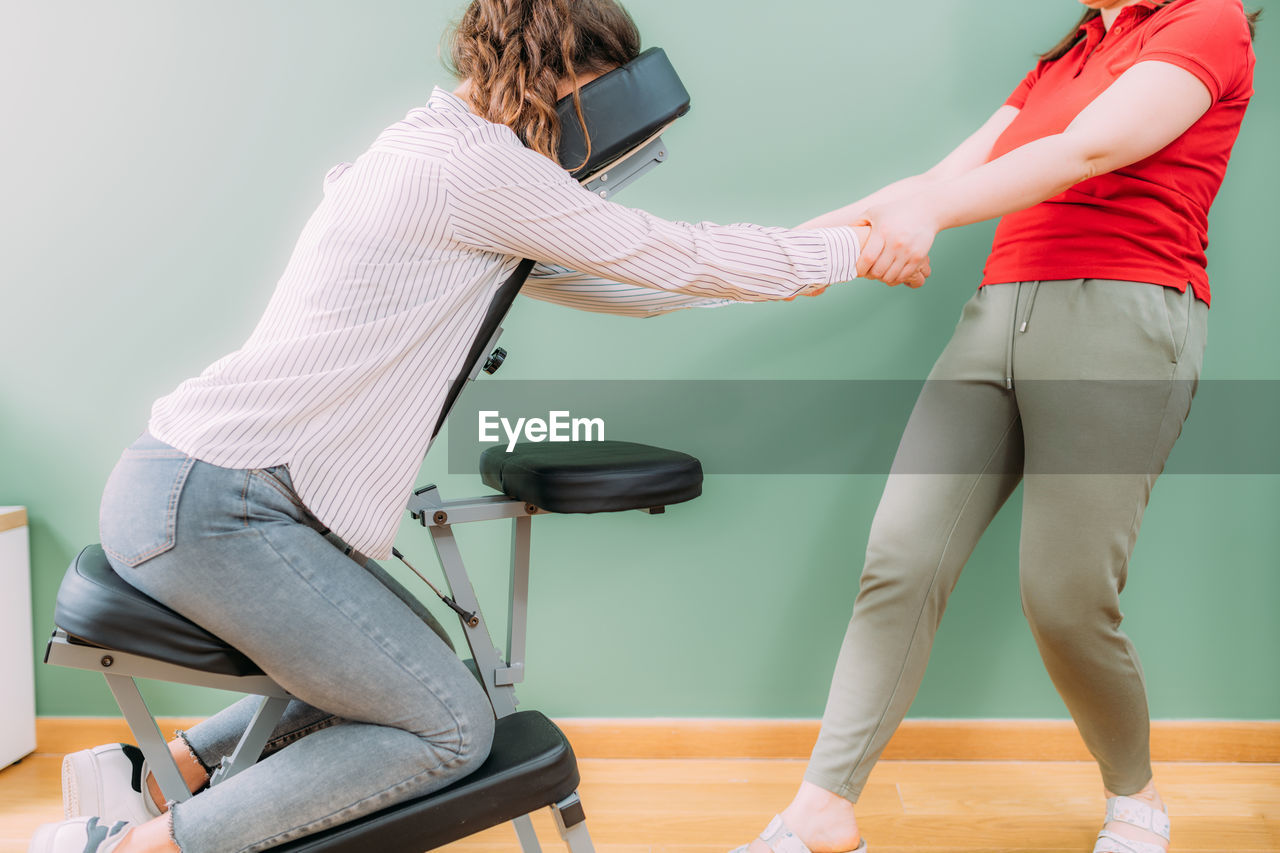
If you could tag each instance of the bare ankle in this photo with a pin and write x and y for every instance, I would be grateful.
(1148, 794)
(193, 773)
(824, 821)
(189, 764)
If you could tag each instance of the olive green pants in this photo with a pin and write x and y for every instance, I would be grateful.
(1078, 389)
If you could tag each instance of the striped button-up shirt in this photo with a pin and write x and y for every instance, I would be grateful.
(345, 375)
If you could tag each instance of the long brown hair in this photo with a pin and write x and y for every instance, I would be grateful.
(515, 53)
(1060, 49)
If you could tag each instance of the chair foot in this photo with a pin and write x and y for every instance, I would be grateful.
(571, 821)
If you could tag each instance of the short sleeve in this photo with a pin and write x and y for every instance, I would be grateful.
(1019, 97)
(1208, 38)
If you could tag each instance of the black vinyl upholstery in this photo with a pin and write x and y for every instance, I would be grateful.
(623, 109)
(530, 766)
(96, 606)
(592, 476)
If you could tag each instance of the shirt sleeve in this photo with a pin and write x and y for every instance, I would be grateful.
(1019, 96)
(585, 292)
(1208, 38)
(507, 199)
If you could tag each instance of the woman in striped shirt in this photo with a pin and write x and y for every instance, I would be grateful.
(260, 484)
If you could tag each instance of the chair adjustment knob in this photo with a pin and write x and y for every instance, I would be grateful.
(494, 361)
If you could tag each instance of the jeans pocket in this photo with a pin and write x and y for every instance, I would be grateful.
(139, 513)
(269, 492)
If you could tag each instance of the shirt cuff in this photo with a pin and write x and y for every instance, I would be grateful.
(842, 251)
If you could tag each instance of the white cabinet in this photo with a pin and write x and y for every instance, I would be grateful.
(17, 663)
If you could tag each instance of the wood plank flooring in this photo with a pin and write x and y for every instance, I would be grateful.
(712, 805)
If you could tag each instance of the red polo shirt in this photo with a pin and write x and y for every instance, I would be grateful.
(1149, 221)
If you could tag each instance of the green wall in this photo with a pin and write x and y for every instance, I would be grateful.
(160, 159)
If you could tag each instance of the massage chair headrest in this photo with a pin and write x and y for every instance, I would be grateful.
(623, 109)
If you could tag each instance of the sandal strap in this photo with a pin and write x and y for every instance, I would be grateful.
(1109, 842)
(1137, 813)
(780, 839)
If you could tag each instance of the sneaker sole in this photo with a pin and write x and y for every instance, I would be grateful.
(71, 773)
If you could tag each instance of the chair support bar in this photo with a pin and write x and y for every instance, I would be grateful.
(517, 602)
(150, 741)
(249, 749)
(62, 652)
(122, 668)
(428, 508)
(487, 657)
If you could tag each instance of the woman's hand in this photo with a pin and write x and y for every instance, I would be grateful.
(902, 233)
(862, 230)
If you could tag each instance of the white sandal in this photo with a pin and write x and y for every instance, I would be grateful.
(780, 839)
(1135, 813)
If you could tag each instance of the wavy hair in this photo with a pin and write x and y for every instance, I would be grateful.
(516, 52)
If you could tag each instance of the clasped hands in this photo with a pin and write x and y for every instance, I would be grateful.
(895, 238)
(897, 249)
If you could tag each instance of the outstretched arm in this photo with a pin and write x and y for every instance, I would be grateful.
(968, 155)
(586, 292)
(1143, 111)
(508, 200)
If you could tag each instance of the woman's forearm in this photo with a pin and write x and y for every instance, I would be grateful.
(904, 230)
(852, 212)
(967, 156)
(1146, 109)
(1020, 179)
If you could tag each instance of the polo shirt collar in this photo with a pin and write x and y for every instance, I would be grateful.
(1092, 25)
(1142, 8)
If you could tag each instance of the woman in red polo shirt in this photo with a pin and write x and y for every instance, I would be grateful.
(1071, 370)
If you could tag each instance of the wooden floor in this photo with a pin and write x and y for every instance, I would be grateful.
(711, 805)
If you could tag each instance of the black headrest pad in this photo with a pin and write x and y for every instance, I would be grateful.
(622, 109)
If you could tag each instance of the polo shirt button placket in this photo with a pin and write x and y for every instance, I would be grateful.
(1094, 37)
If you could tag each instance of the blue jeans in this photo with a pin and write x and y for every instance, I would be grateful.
(385, 711)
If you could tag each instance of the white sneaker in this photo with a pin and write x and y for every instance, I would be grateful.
(82, 835)
(109, 782)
